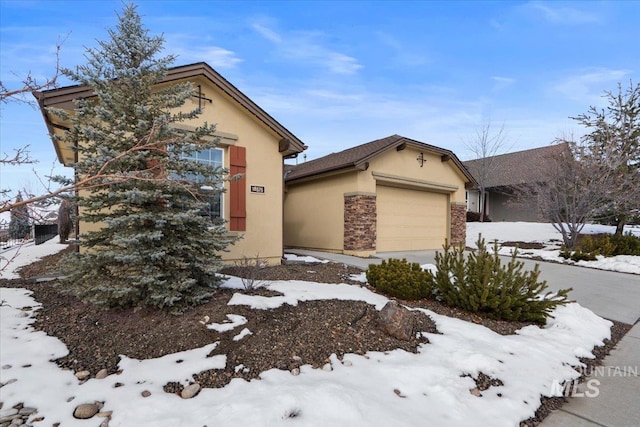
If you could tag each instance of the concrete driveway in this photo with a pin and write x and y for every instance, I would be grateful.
(609, 294)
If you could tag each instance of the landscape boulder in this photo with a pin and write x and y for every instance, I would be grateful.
(397, 321)
(190, 391)
(86, 410)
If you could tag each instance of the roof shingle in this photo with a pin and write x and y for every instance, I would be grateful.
(516, 168)
(355, 156)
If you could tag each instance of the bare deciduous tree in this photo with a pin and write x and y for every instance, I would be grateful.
(614, 139)
(30, 83)
(484, 146)
(573, 186)
(22, 155)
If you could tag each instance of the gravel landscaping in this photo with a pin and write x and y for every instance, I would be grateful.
(283, 338)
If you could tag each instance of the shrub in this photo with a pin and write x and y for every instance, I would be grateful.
(597, 245)
(475, 217)
(627, 244)
(578, 254)
(399, 279)
(589, 246)
(250, 270)
(481, 284)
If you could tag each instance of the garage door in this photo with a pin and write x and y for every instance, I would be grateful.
(410, 219)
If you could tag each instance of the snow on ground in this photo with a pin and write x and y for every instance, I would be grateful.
(378, 389)
(304, 259)
(551, 239)
(235, 320)
(20, 255)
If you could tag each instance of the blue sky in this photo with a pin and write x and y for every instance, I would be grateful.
(338, 74)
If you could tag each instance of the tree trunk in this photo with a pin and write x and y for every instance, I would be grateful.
(621, 221)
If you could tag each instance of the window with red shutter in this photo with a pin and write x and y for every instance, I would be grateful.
(238, 188)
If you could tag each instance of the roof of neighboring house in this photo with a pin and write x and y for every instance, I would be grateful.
(63, 98)
(516, 168)
(358, 157)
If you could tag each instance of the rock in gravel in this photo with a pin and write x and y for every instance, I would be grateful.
(86, 410)
(102, 373)
(476, 392)
(189, 391)
(8, 415)
(146, 393)
(27, 411)
(397, 321)
(83, 375)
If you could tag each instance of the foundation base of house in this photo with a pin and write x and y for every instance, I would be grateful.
(249, 260)
(360, 254)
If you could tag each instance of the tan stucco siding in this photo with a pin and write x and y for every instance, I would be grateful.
(411, 219)
(434, 171)
(263, 234)
(314, 213)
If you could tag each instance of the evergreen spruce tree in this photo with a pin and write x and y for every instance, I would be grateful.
(19, 226)
(152, 245)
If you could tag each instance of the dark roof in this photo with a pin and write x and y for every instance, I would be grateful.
(516, 168)
(357, 157)
(63, 98)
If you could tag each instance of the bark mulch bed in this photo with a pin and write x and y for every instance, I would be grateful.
(282, 338)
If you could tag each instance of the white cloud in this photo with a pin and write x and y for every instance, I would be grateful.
(401, 54)
(342, 64)
(267, 33)
(502, 82)
(308, 48)
(588, 85)
(562, 14)
(215, 56)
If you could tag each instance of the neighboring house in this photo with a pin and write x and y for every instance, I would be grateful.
(392, 194)
(505, 173)
(251, 142)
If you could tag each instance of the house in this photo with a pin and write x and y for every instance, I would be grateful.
(504, 173)
(392, 194)
(251, 143)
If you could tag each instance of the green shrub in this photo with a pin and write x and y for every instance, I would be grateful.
(399, 279)
(578, 254)
(627, 244)
(481, 284)
(589, 246)
(597, 245)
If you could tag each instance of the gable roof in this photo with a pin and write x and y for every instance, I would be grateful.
(516, 168)
(357, 158)
(63, 98)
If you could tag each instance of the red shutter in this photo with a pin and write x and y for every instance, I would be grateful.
(238, 190)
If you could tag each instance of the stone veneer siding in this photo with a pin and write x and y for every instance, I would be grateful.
(359, 222)
(458, 224)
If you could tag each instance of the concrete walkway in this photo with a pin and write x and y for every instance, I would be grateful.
(611, 395)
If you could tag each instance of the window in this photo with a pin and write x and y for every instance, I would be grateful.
(212, 157)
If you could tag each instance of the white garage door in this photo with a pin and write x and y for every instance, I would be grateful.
(410, 219)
